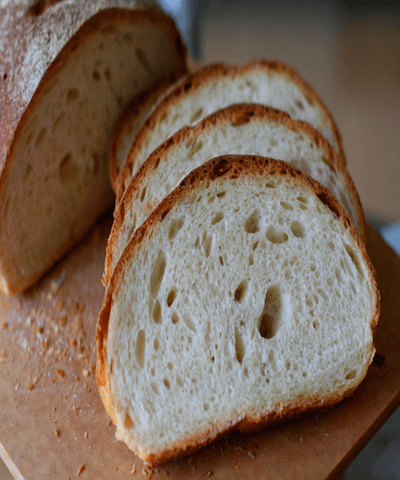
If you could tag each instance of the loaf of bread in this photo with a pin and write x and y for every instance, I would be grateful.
(245, 298)
(67, 71)
(241, 129)
(216, 86)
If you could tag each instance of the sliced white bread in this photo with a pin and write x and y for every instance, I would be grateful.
(67, 71)
(245, 298)
(240, 129)
(217, 86)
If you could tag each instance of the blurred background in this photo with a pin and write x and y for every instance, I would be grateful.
(349, 51)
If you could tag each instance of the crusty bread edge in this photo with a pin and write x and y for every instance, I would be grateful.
(139, 103)
(208, 74)
(104, 17)
(228, 166)
(241, 113)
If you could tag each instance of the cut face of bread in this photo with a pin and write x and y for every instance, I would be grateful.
(217, 86)
(243, 129)
(129, 123)
(55, 182)
(246, 296)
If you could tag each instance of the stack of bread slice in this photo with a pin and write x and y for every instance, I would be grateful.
(238, 287)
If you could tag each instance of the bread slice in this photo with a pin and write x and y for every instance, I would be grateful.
(68, 70)
(217, 86)
(240, 129)
(134, 115)
(246, 297)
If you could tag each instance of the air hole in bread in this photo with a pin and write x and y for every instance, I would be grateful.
(154, 387)
(217, 218)
(140, 348)
(221, 194)
(96, 76)
(195, 147)
(338, 276)
(170, 365)
(41, 137)
(67, 169)
(287, 205)
(240, 292)
(287, 364)
(206, 406)
(175, 226)
(128, 423)
(331, 246)
(329, 281)
(252, 224)
(107, 74)
(157, 312)
(251, 259)
(166, 383)
(221, 261)
(179, 381)
(143, 194)
(28, 171)
(156, 344)
(273, 312)
(196, 115)
(309, 301)
(297, 229)
(299, 105)
(270, 185)
(40, 6)
(207, 244)
(276, 236)
(239, 346)
(354, 258)
(157, 274)
(351, 375)
(171, 297)
(302, 199)
(315, 324)
(72, 95)
(174, 318)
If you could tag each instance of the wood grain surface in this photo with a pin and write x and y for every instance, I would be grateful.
(53, 424)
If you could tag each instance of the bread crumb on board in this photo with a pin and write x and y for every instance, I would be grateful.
(80, 470)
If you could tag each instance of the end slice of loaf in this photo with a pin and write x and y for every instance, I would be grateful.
(71, 69)
(246, 297)
(217, 86)
(241, 129)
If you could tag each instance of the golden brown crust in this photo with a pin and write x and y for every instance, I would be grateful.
(230, 167)
(142, 102)
(210, 73)
(235, 114)
(246, 422)
(15, 113)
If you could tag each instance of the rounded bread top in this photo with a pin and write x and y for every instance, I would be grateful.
(32, 35)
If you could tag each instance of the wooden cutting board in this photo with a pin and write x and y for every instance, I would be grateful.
(53, 424)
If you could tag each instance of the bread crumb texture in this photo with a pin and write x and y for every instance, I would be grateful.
(247, 298)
